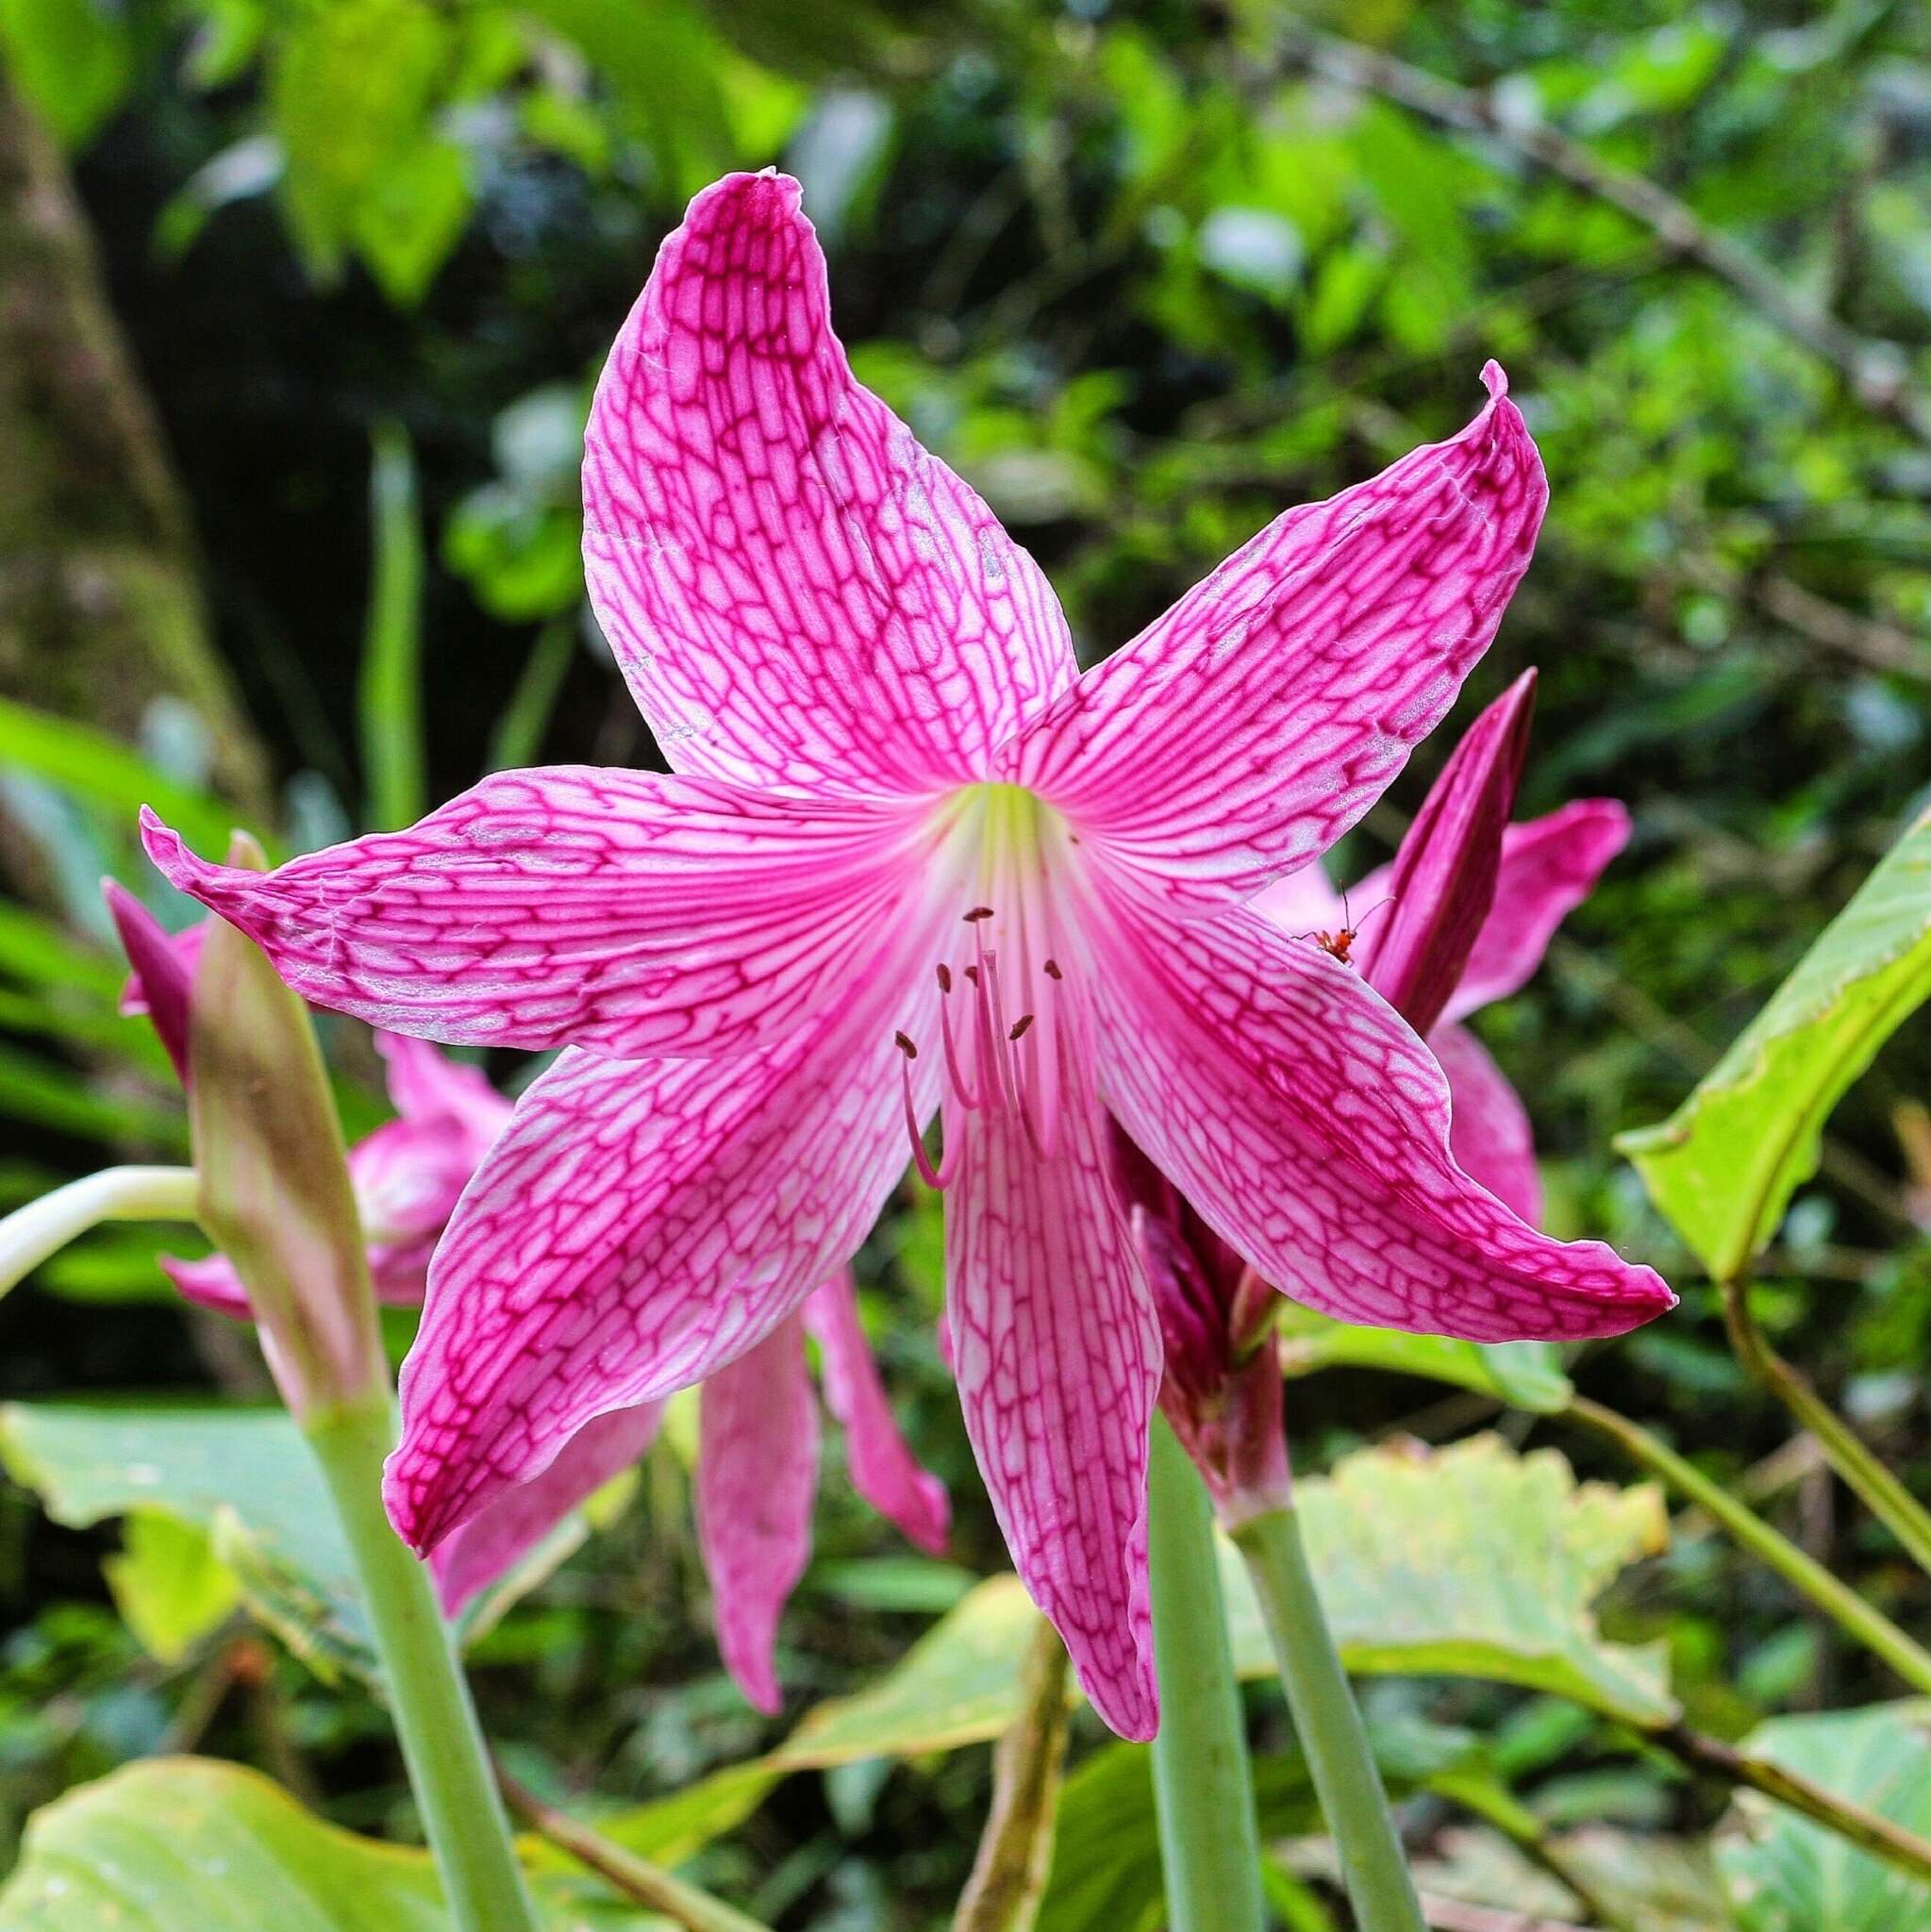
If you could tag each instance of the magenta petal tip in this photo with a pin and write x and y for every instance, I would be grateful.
(1494, 379)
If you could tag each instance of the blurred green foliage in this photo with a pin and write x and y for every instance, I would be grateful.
(1145, 272)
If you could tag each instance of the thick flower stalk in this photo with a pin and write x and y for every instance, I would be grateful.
(909, 861)
(757, 1429)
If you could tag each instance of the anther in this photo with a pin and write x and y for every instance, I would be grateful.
(1052, 970)
(1020, 1025)
(905, 1046)
(978, 913)
(944, 978)
(971, 972)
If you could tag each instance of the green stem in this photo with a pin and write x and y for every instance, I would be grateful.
(44, 1226)
(1880, 1491)
(1837, 1600)
(441, 1742)
(1329, 1726)
(1203, 1784)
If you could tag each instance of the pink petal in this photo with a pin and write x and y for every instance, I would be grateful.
(1304, 903)
(757, 1480)
(424, 1084)
(164, 963)
(797, 592)
(638, 1225)
(1549, 866)
(1057, 1355)
(623, 911)
(1490, 1135)
(488, 1547)
(1310, 1129)
(882, 1468)
(1442, 881)
(409, 1175)
(209, 1283)
(1244, 732)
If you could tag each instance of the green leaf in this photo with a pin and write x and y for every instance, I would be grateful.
(1782, 1873)
(1724, 1166)
(185, 1845)
(170, 1587)
(1475, 1561)
(93, 766)
(72, 59)
(242, 1478)
(1524, 1374)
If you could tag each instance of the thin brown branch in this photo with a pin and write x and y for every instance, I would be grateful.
(1877, 373)
(1016, 1852)
(649, 1885)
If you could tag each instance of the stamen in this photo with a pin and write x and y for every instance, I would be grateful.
(944, 977)
(1020, 1025)
(1052, 970)
(978, 913)
(940, 1177)
(905, 1046)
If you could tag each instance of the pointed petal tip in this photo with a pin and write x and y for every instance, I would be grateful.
(1128, 1706)
(1494, 379)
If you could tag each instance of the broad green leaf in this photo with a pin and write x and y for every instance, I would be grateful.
(186, 1845)
(243, 1480)
(170, 1587)
(1783, 1873)
(93, 766)
(1474, 1561)
(241, 1477)
(1524, 1374)
(1724, 1166)
(1657, 1884)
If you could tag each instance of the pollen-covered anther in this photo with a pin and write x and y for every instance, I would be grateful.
(906, 1045)
(1020, 1025)
(973, 918)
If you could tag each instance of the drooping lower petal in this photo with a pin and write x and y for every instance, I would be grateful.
(1058, 1355)
(622, 911)
(488, 1547)
(1490, 1135)
(1244, 732)
(756, 1481)
(639, 1224)
(209, 1283)
(881, 1466)
(797, 593)
(1310, 1129)
(1550, 865)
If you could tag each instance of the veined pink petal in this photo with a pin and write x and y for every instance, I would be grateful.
(639, 1224)
(424, 1084)
(1244, 732)
(1490, 1135)
(1442, 881)
(882, 1468)
(756, 1481)
(797, 592)
(163, 964)
(622, 911)
(1057, 1355)
(488, 1547)
(1310, 1129)
(1549, 866)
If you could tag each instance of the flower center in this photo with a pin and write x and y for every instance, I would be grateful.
(1007, 1022)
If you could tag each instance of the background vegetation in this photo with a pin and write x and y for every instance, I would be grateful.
(291, 380)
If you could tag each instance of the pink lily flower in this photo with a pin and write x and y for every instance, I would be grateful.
(907, 857)
(757, 1480)
(1473, 903)
(406, 1174)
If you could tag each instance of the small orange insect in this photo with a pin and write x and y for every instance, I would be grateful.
(1339, 945)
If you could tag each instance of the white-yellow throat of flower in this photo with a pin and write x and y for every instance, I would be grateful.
(1002, 875)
